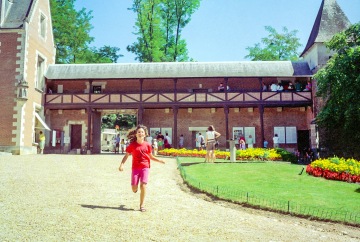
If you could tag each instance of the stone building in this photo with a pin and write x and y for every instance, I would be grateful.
(178, 98)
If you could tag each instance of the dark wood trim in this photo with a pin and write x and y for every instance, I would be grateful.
(175, 138)
(89, 128)
(226, 112)
(261, 111)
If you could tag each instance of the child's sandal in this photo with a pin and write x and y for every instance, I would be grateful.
(142, 209)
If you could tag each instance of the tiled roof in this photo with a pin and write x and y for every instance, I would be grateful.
(329, 21)
(178, 70)
(13, 13)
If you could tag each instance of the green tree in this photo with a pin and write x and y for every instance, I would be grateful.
(105, 54)
(71, 30)
(339, 86)
(158, 26)
(277, 46)
(124, 121)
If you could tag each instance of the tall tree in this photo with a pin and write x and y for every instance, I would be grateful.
(72, 35)
(71, 30)
(277, 46)
(158, 27)
(339, 86)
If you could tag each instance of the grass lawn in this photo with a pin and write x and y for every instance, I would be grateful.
(273, 181)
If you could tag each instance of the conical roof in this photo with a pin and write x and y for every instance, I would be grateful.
(329, 21)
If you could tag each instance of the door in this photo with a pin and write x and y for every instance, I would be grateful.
(303, 140)
(76, 133)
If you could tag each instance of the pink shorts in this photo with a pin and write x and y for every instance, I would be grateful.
(141, 175)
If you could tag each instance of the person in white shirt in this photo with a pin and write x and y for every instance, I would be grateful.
(200, 141)
(210, 140)
(250, 142)
(181, 141)
(273, 87)
(276, 141)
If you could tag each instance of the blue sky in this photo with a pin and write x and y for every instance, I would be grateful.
(220, 30)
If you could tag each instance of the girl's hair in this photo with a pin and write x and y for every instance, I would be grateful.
(132, 133)
(211, 128)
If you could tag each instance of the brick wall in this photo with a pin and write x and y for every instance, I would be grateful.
(244, 117)
(8, 80)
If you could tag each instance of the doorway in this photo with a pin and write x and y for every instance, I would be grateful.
(76, 133)
(303, 140)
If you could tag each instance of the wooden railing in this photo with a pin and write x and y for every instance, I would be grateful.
(181, 98)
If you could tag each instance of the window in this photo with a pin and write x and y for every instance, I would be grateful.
(96, 89)
(40, 74)
(42, 26)
(287, 135)
(243, 132)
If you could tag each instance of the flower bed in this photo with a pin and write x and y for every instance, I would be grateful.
(248, 154)
(335, 169)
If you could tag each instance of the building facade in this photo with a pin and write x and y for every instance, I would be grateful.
(177, 98)
(26, 50)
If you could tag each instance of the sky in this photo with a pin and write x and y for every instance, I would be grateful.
(220, 30)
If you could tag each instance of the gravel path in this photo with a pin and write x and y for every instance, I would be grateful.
(85, 198)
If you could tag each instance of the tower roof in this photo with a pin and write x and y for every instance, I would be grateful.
(329, 21)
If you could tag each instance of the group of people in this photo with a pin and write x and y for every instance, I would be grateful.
(221, 87)
(279, 87)
(249, 141)
(120, 144)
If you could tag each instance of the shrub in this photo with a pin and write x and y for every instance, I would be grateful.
(287, 156)
(248, 154)
(335, 169)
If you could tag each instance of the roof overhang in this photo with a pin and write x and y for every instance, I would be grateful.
(42, 123)
(177, 70)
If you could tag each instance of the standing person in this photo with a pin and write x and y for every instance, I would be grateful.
(265, 143)
(155, 147)
(276, 141)
(181, 141)
(41, 142)
(117, 143)
(160, 138)
(141, 156)
(250, 142)
(242, 141)
(167, 140)
(123, 146)
(210, 138)
(200, 141)
(242, 145)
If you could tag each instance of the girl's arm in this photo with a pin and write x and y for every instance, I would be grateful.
(156, 159)
(121, 168)
(217, 135)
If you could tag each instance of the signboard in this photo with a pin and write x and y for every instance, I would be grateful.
(154, 132)
(237, 133)
(66, 140)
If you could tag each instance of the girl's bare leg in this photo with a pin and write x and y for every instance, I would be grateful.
(142, 194)
(134, 188)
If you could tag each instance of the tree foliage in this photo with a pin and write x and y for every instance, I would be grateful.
(339, 86)
(158, 26)
(277, 46)
(71, 30)
(123, 121)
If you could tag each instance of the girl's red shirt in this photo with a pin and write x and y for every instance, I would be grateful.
(140, 154)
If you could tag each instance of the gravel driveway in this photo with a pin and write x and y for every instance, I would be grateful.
(86, 198)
